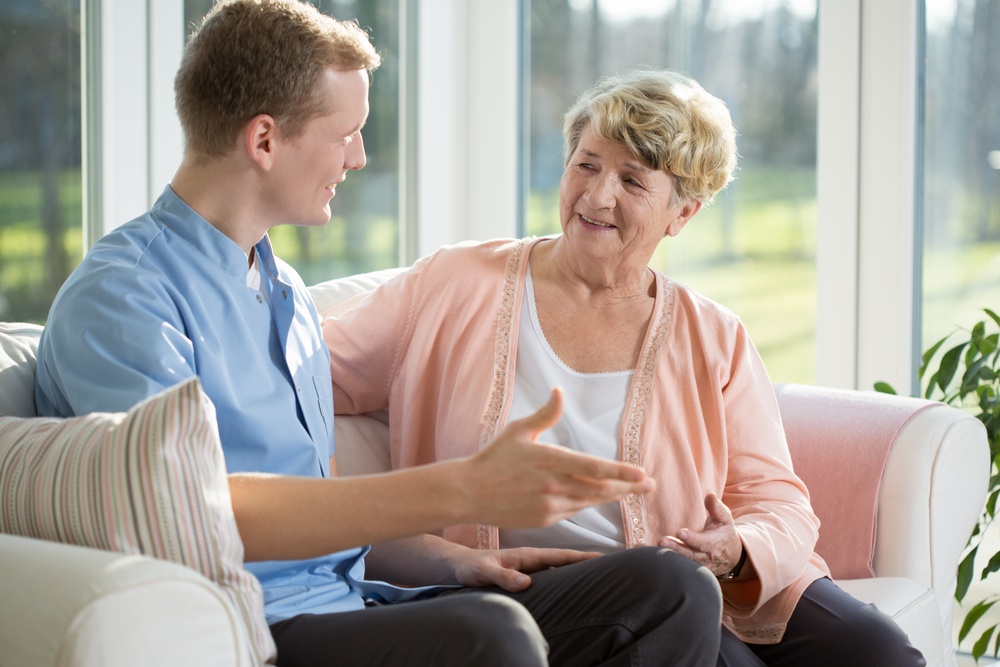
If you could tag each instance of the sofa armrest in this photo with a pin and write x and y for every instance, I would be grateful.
(932, 493)
(73, 606)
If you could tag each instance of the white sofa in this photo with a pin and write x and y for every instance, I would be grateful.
(72, 606)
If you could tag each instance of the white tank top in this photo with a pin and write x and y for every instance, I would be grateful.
(593, 407)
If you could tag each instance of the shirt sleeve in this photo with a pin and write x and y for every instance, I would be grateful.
(113, 338)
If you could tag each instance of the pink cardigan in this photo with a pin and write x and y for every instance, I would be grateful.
(436, 346)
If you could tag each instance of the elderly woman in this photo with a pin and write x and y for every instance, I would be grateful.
(653, 373)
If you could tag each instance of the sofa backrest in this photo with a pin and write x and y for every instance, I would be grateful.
(18, 352)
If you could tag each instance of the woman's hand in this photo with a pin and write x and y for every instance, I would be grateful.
(717, 546)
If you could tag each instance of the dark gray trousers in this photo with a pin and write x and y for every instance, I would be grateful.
(829, 628)
(644, 606)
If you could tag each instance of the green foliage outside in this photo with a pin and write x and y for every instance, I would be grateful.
(28, 282)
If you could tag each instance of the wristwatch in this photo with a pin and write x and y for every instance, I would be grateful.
(735, 572)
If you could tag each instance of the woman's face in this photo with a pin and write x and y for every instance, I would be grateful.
(614, 208)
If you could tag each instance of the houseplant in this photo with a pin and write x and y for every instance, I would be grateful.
(967, 375)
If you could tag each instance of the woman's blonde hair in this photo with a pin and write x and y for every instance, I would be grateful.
(249, 57)
(665, 119)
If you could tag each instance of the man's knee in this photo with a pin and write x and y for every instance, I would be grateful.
(495, 631)
(676, 582)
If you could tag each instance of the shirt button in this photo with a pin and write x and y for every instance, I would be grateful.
(284, 294)
(260, 299)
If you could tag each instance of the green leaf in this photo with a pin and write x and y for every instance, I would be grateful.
(930, 386)
(949, 364)
(931, 351)
(966, 571)
(979, 648)
(992, 566)
(970, 380)
(884, 388)
(993, 316)
(974, 615)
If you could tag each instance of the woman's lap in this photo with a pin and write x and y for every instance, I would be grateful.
(829, 628)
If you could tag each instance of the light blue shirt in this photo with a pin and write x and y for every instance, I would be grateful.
(164, 298)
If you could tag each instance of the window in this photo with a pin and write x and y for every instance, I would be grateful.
(753, 250)
(40, 148)
(961, 199)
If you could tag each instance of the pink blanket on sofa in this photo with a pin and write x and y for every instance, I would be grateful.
(826, 427)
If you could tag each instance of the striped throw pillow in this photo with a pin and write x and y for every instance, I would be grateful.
(150, 481)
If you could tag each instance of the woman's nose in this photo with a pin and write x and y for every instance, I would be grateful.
(602, 192)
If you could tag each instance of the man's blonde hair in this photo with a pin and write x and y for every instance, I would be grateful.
(249, 57)
(665, 119)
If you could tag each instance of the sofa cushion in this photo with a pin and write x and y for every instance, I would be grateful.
(150, 481)
(18, 351)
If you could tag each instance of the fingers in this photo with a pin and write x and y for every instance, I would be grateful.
(511, 581)
(542, 419)
(717, 510)
(529, 559)
(591, 470)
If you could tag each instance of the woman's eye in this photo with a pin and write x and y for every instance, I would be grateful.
(586, 165)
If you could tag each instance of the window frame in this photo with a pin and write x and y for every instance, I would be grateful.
(462, 153)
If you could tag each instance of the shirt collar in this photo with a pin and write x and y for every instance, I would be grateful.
(217, 248)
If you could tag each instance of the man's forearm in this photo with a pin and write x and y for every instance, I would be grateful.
(288, 518)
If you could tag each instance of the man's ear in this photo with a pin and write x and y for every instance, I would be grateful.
(260, 136)
(685, 214)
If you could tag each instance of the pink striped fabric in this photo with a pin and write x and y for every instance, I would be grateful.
(150, 481)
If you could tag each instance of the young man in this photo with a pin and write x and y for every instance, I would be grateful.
(272, 97)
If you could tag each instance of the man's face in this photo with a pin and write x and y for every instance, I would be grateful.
(308, 168)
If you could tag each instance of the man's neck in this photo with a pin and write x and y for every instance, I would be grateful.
(224, 193)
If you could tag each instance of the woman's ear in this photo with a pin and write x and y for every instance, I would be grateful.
(684, 214)
(260, 136)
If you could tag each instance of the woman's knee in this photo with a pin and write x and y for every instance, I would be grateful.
(837, 624)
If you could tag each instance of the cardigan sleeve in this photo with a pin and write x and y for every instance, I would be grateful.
(770, 504)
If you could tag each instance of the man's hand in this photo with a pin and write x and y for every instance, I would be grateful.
(717, 546)
(516, 482)
(509, 568)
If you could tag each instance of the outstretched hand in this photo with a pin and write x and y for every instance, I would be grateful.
(717, 546)
(516, 482)
(509, 568)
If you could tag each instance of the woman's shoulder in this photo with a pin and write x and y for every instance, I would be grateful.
(473, 258)
(691, 303)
